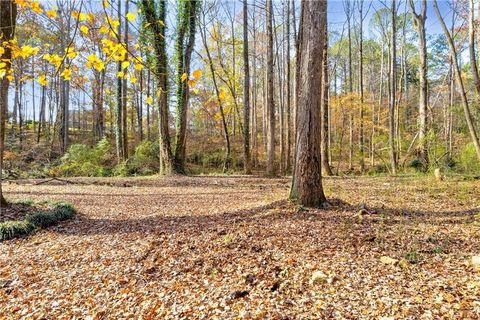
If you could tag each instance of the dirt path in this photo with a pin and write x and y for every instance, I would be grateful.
(227, 247)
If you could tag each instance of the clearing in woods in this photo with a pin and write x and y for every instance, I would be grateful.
(223, 247)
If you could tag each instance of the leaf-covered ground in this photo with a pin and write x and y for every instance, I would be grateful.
(232, 247)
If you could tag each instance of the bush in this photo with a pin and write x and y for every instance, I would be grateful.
(145, 161)
(467, 159)
(82, 160)
(57, 212)
(15, 229)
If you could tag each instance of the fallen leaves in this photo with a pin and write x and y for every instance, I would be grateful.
(228, 247)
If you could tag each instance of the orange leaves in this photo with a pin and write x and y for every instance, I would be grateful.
(197, 74)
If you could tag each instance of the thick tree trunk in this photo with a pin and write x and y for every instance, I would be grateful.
(161, 78)
(307, 187)
(8, 19)
(187, 22)
(422, 70)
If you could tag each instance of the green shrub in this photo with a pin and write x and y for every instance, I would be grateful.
(83, 160)
(145, 161)
(57, 212)
(15, 229)
(467, 159)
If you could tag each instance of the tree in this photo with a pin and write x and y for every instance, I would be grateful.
(270, 103)
(119, 103)
(419, 23)
(246, 94)
(203, 34)
(326, 170)
(157, 28)
(8, 19)
(393, 89)
(461, 86)
(307, 187)
(186, 23)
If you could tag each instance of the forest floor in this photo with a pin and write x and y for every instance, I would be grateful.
(233, 247)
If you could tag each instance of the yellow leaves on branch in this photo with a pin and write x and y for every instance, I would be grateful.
(84, 30)
(54, 59)
(52, 13)
(131, 16)
(24, 51)
(132, 78)
(95, 62)
(183, 77)
(66, 74)
(149, 100)
(125, 64)
(70, 53)
(29, 4)
(42, 80)
(222, 95)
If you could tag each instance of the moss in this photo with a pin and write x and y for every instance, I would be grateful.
(57, 212)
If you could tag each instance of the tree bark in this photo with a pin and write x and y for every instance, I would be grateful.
(326, 170)
(246, 94)
(270, 103)
(307, 187)
(186, 26)
(161, 79)
(8, 19)
(419, 22)
(393, 90)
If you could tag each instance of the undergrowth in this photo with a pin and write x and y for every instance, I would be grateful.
(57, 212)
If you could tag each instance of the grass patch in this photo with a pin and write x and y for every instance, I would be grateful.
(57, 212)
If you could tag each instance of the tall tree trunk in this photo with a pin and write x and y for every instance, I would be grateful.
(326, 170)
(393, 87)
(270, 103)
(41, 116)
(461, 86)
(161, 79)
(288, 102)
(360, 74)
(419, 23)
(8, 19)
(186, 26)
(124, 92)
(307, 187)
(119, 103)
(246, 94)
